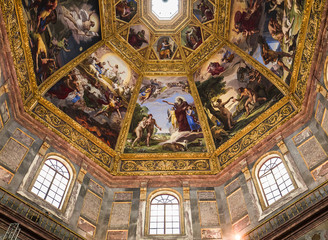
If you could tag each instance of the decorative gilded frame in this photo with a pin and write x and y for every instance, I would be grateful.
(112, 159)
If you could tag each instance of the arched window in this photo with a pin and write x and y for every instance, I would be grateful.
(274, 179)
(164, 215)
(52, 182)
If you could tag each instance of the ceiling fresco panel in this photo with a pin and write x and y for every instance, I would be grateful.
(233, 63)
(96, 94)
(59, 31)
(165, 48)
(233, 93)
(139, 36)
(126, 10)
(268, 31)
(203, 10)
(191, 37)
(165, 118)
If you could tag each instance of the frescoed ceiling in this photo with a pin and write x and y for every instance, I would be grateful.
(162, 86)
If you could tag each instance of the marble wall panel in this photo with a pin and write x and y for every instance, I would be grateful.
(324, 123)
(4, 112)
(312, 152)
(320, 171)
(206, 195)
(96, 188)
(22, 137)
(211, 233)
(241, 224)
(231, 187)
(91, 207)
(319, 112)
(117, 235)
(5, 175)
(302, 136)
(237, 206)
(88, 230)
(120, 216)
(12, 154)
(123, 196)
(208, 214)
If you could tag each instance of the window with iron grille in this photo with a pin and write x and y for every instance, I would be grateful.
(164, 215)
(274, 180)
(52, 182)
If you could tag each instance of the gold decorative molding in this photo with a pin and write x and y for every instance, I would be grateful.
(205, 51)
(69, 133)
(170, 167)
(115, 35)
(309, 47)
(13, 28)
(252, 137)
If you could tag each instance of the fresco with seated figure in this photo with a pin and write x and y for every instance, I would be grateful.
(233, 93)
(126, 10)
(203, 10)
(59, 31)
(139, 36)
(191, 37)
(96, 94)
(165, 118)
(165, 48)
(268, 31)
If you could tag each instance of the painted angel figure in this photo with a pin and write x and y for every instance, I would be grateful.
(114, 74)
(79, 21)
(172, 118)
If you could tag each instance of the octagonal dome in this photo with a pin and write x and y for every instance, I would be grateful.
(140, 95)
(165, 15)
(165, 9)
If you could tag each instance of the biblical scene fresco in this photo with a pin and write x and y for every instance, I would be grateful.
(165, 48)
(233, 94)
(126, 9)
(203, 10)
(96, 94)
(139, 36)
(59, 31)
(268, 31)
(165, 118)
(191, 37)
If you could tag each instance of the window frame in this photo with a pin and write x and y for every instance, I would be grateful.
(69, 186)
(258, 185)
(151, 197)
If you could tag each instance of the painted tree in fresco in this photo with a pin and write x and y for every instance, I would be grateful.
(212, 87)
(139, 113)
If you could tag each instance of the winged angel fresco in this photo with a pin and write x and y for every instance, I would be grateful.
(80, 22)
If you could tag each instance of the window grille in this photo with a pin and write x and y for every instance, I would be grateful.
(52, 182)
(274, 180)
(164, 215)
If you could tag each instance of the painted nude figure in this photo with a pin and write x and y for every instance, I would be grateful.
(226, 114)
(139, 130)
(251, 97)
(150, 125)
